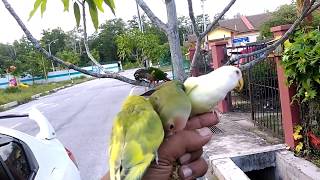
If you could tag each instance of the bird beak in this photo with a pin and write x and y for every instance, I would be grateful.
(239, 86)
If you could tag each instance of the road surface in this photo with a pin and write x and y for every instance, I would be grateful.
(82, 117)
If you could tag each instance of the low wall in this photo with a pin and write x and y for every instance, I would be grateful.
(57, 76)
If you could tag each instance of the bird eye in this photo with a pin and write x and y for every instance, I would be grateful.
(238, 72)
(171, 126)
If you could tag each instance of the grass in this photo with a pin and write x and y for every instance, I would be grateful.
(24, 95)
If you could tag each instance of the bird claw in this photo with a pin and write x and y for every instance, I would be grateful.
(217, 113)
(157, 158)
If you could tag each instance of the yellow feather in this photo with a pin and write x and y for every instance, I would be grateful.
(136, 135)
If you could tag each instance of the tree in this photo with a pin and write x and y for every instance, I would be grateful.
(29, 61)
(134, 46)
(69, 56)
(4, 58)
(285, 14)
(57, 37)
(171, 30)
(105, 41)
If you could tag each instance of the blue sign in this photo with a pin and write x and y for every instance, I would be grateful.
(240, 40)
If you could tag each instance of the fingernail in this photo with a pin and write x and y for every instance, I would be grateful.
(204, 132)
(185, 158)
(187, 172)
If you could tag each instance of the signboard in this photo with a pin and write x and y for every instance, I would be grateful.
(240, 40)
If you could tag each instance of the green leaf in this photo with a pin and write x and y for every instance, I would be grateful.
(43, 6)
(65, 5)
(35, 7)
(99, 4)
(111, 5)
(93, 13)
(76, 11)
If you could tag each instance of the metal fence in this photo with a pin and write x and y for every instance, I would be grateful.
(260, 95)
(310, 118)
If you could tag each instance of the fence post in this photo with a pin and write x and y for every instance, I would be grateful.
(218, 56)
(290, 112)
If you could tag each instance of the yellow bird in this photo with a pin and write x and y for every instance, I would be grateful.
(136, 136)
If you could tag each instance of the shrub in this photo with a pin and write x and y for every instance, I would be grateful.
(301, 62)
(12, 90)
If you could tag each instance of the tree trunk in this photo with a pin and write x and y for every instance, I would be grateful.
(174, 41)
(176, 56)
(194, 68)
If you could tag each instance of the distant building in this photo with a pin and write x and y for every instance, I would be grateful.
(238, 31)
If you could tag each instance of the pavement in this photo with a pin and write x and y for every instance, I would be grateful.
(238, 146)
(82, 116)
(236, 133)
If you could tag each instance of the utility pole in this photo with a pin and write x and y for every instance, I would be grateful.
(50, 52)
(204, 23)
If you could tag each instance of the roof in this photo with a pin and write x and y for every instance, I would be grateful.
(245, 23)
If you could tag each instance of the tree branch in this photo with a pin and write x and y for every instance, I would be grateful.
(192, 18)
(272, 47)
(59, 61)
(85, 39)
(152, 16)
(314, 7)
(216, 20)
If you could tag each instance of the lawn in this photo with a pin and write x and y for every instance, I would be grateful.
(24, 95)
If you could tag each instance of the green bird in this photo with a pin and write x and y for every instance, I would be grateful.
(151, 74)
(173, 106)
(136, 136)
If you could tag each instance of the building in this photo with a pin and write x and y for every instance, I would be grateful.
(238, 31)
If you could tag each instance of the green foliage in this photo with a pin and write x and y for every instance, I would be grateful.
(76, 11)
(56, 38)
(94, 5)
(285, 14)
(25, 94)
(104, 41)
(28, 61)
(12, 90)
(130, 65)
(135, 45)
(301, 61)
(69, 56)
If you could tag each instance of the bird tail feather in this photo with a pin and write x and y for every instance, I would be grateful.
(136, 172)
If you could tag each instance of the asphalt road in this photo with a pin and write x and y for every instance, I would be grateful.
(82, 117)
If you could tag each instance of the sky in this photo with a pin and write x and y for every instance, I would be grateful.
(55, 17)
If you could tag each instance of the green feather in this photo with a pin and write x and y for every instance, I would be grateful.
(136, 135)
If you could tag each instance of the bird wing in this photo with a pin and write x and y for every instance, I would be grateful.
(132, 152)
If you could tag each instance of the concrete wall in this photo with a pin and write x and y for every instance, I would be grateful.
(57, 76)
(219, 33)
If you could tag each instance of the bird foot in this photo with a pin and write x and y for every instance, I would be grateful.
(157, 158)
(217, 113)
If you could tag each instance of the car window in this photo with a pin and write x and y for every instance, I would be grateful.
(3, 173)
(14, 158)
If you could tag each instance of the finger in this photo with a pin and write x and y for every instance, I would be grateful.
(189, 157)
(203, 120)
(193, 170)
(185, 141)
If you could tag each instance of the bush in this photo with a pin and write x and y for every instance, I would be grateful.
(301, 62)
(12, 90)
(130, 65)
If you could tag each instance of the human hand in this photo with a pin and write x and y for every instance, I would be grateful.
(185, 146)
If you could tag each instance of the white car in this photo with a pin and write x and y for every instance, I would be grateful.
(43, 157)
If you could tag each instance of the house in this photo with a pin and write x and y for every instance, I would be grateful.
(238, 31)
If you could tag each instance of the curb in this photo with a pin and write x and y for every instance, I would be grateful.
(33, 97)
